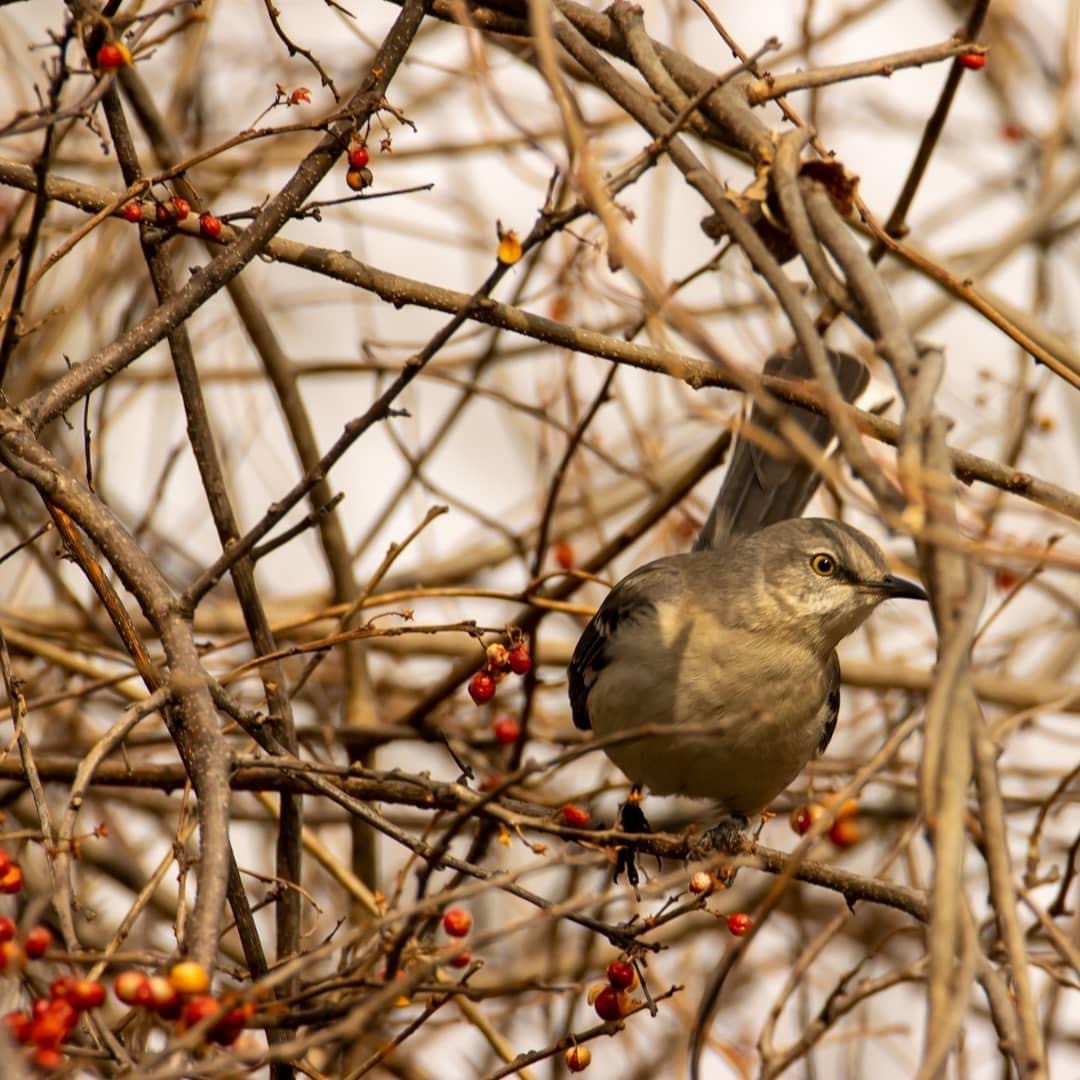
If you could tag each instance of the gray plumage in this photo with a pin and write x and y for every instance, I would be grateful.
(731, 648)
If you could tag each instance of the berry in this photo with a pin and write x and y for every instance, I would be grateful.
(199, 1008)
(621, 975)
(358, 155)
(739, 923)
(132, 211)
(358, 179)
(578, 1058)
(5, 861)
(457, 922)
(481, 688)
(12, 957)
(462, 960)
(519, 659)
(181, 207)
(62, 987)
(164, 998)
(844, 832)
(575, 816)
(227, 1030)
(1004, 580)
(498, 658)
(86, 994)
(47, 1058)
(610, 1004)
(701, 882)
(803, 817)
(509, 248)
(165, 212)
(210, 226)
(7, 928)
(564, 557)
(189, 977)
(127, 986)
(53, 1024)
(507, 730)
(11, 881)
(972, 61)
(18, 1026)
(37, 941)
(113, 55)
(491, 782)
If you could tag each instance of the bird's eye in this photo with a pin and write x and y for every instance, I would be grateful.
(823, 564)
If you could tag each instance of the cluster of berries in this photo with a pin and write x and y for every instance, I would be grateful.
(501, 661)
(183, 996)
(359, 176)
(844, 831)
(170, 211)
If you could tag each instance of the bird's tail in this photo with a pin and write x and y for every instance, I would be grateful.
(760, 488)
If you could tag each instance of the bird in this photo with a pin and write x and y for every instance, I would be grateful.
(713, 674)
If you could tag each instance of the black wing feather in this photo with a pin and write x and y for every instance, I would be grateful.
(833, 707)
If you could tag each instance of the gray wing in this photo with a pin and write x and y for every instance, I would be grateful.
(632, 601)
(832, 705)
(760, 489)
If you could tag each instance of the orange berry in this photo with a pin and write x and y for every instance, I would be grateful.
(189, 977)
(11, 881)
(127, 984)
(564, 554)
(47, 1058)
(86, 994)
(575, 816)
(163, 997)
(701, 882)
(498, 658)
(358, 179)
(972, 61)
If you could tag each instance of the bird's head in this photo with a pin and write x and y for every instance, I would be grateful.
(825, 576)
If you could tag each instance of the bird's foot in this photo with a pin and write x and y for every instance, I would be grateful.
(631, 819)
(727, 837)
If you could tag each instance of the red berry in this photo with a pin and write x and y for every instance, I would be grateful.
(181, 206)
(803, 817)
(491, 782)
(844, 832)
(132, 211)
(113, 55)
(507, 731)
(972, 61)
(18, 1026)
(481, 688)
(62, 986)
(165, 212)
(358, 156)
(12, 880)
(578, 1058)
(199, 1008)
(739, 923)
(227, 1030)
(7, 928)
(5, 860)
(462, 960)
(519, 659)
(621, 975)
(457, 922)
(86, 994)
(128, 984)
(1005, 580)
(210, 226)
(564, 557)
(12, 957)
(37, 941)
(53, 1024)
(46, 1058)
(575, 816)
(610, 1004)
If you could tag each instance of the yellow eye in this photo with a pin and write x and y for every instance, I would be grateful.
(823, 564)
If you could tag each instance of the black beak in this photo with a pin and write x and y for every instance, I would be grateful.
(898, 588)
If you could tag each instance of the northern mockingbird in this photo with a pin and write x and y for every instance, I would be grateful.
(731, 648)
